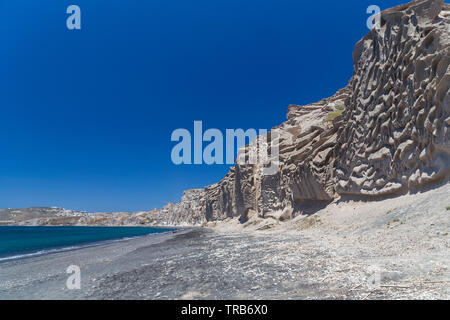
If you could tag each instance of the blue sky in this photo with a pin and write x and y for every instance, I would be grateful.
(86, 115)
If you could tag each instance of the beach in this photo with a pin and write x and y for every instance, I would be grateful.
(392, 249)
(44, 276)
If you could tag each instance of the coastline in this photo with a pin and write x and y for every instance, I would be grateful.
(44, 276)
(77, 246)
(401, 242)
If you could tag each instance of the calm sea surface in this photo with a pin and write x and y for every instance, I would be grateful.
(17, 242)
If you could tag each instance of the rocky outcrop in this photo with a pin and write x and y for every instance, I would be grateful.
(386, 132)
(189, 211)
(396, 134)
(306, 145)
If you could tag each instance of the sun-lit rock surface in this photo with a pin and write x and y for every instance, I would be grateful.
(396, 135)
(387, 132)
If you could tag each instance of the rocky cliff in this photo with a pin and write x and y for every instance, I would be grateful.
(395, 135)
(387, 132)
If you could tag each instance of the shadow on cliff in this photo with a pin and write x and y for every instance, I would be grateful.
(368, 198)
(309, 207)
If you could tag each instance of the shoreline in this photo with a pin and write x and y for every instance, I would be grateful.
(18, 277)
(402, 243)
(81, 245)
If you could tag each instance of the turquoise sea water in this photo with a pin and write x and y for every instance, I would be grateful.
(17, 242)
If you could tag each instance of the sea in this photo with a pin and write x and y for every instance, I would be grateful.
(22, 241)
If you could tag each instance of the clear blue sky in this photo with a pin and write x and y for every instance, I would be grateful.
(86, 116)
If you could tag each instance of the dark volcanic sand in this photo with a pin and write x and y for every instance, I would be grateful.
(193, 263)
(201, 263)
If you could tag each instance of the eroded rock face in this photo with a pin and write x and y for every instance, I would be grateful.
(189, 211)
(305, 173)
(386, 132)
(396, 132)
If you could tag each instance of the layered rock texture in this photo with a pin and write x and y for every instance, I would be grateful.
(387, 132)
(395, 134)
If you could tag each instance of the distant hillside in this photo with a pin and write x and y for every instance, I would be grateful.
(17, 215)
(46, 216)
